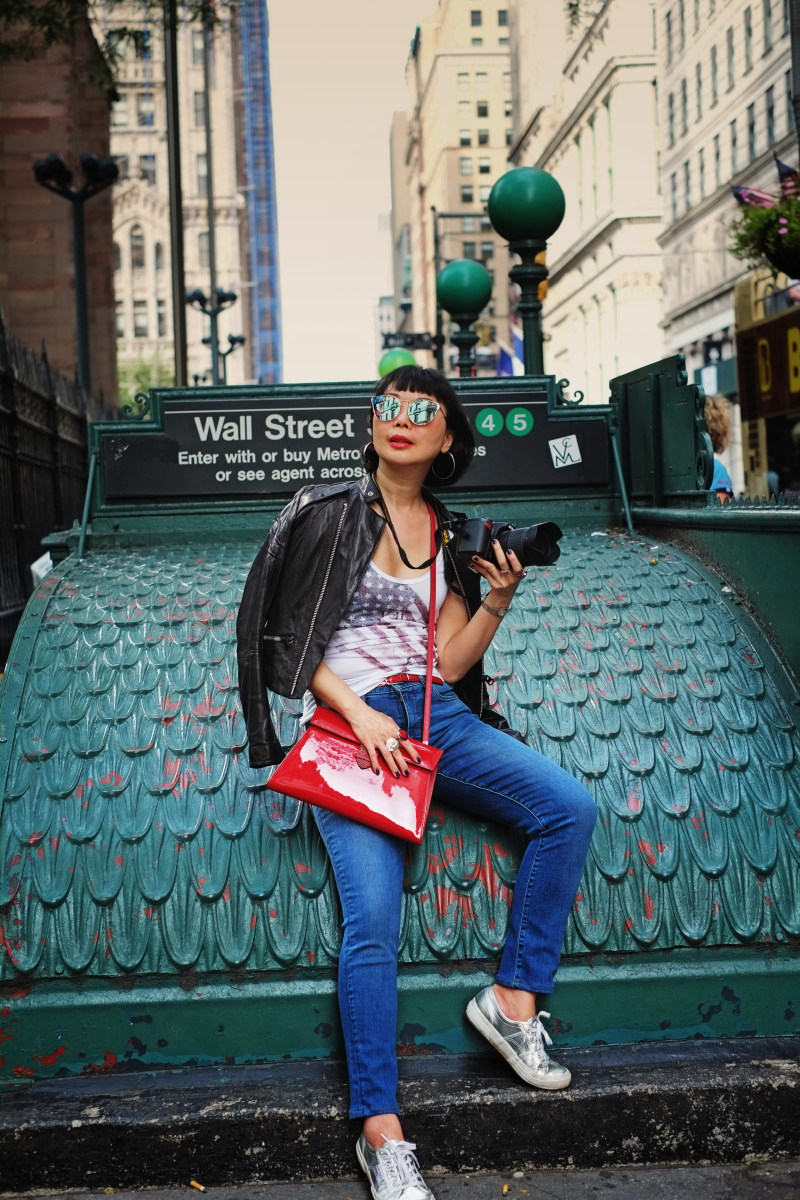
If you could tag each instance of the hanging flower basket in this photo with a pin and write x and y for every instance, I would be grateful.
(768, 232)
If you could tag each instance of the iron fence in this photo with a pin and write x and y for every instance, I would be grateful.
(43, 467)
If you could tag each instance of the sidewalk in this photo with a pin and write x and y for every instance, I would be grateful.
(752, 1181)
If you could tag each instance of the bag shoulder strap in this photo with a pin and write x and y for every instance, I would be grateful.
(426, 718)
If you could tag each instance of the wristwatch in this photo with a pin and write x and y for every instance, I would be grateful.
(496, 612)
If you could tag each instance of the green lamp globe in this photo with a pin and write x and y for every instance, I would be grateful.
(463, 286)
(526, 203)
(393, 359)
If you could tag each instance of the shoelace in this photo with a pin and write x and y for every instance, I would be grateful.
(535, 1033)
(400, 1164)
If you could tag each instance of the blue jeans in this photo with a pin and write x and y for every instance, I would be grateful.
(491, 775)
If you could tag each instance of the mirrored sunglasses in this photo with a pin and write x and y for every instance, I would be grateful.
(420, 412)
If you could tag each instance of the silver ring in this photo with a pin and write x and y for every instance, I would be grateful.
(506, 572)
(392, 744)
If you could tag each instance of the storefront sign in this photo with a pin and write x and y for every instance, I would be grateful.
(769, 366)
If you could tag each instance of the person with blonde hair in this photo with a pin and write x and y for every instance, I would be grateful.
(718, 424)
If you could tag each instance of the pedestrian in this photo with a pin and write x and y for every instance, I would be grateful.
(718, 423)
(336, 607)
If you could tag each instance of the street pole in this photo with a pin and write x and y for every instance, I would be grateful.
(81, 295)
(436, 268)
(175, 191)
(212, 250)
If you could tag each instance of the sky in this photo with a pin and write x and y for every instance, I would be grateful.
(338, 73)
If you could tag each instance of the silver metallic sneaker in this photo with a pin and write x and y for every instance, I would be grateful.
(520, 1042)
(392, 1170)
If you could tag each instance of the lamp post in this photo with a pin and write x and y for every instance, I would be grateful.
(234, 340)
(212, 309)
(463, 289)
(526, 206)
(98, 174)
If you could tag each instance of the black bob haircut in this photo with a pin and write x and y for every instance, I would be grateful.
(430, 383)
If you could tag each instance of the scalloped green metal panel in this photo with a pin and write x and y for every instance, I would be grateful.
(136, 840)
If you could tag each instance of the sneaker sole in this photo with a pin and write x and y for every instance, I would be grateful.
(485, 1027)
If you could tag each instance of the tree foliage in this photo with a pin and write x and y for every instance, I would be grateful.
(29, 27)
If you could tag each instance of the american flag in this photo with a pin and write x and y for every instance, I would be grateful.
(753, 197)
(790, 182)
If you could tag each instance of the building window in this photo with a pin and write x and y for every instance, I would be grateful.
(117, 256)
(120, 319)
(487, 250)
(769, 102)
(483, 137)
(507, 81)
(463, 80)
(751, 131)
(748, 38)
(767, 25)
(668, 36)
(468, 225)
(199, 110)
(147, 168)
(467, 249)
(137, 248)
(467, 194)
(141, 43)
(123, 166)
(684, 107)
(145, 109)
(158, 257)
(203, 254)
(785, 17)
(197, 47)
(483, 108)
(161, 318)
(483, 192)
(787, 87)
(464, 110)
(673, 187)
(731, 58)
(671, 119)
(484, 166)
(507, 108)
(486, 224)
(502, 41)
(502, 17)
(475, 18)
(698, 73)
(140, 318)
(717, 162)
(509, 136)
(119, 112)
(701, 173)
(481, 80)
(714, 77)
(734, 149)
(696, 15)
(477, 41)
(687, 186)
(465, 138)
(681, 25)
(465, 165)
(201, 173)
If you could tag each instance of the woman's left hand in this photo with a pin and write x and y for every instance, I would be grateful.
(503, 576)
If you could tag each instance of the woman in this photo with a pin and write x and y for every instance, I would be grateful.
(717, 413)
(360, 554)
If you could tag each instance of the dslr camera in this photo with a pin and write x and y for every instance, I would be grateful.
(534, 545)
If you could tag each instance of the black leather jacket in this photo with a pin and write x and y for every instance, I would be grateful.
(299, 586)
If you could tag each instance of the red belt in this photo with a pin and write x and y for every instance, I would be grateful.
(405, 678)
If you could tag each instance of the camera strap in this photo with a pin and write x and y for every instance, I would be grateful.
(437, 537)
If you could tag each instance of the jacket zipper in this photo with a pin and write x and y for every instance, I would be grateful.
(469, 617)
(320, 596)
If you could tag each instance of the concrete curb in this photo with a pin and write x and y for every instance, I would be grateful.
(669, 1103)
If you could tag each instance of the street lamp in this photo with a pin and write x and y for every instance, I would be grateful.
(463, 289)
(98, 174)
(212, 309)
(526, 206)
(234, 340)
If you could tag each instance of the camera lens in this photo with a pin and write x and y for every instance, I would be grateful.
(534, 546)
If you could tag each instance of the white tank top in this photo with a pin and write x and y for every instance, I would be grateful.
(384, 630)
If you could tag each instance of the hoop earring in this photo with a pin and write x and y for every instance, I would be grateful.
(452, 471)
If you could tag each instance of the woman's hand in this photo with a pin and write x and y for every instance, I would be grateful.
(375, 731)
(503, 576)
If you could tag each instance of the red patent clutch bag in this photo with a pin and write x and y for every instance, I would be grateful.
(330, 768)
